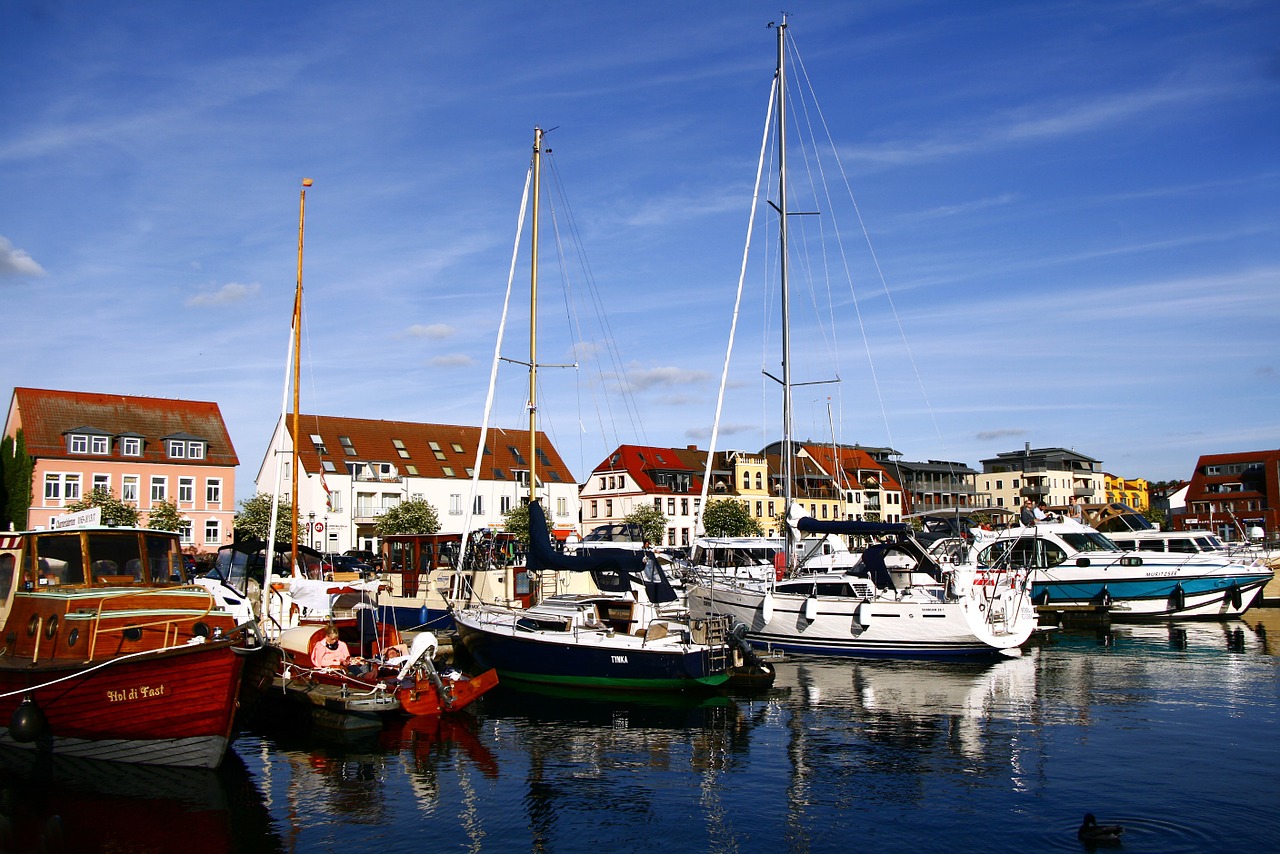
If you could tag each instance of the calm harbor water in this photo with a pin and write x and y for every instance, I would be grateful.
(1169, 730)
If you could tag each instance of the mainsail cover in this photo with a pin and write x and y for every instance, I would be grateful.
(810, 525)
(612, 570)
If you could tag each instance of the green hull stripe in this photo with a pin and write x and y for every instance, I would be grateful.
(621, 684)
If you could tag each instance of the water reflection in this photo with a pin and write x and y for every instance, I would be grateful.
(79, 805)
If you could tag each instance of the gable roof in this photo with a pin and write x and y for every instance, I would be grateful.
(46, 416)
(643, 462)
(371, 440)
(850, 460)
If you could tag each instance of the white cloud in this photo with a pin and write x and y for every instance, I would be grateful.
(641, 379)
(432, 331)
(15, 262)
(452, 360)
(229, 294)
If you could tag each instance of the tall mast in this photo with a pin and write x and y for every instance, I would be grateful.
(533, 318)
(787, 460)
(297, 368)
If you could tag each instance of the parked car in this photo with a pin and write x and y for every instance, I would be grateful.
(365, 556)
(344, 563)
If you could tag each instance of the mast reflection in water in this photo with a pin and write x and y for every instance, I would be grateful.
(1165, 729)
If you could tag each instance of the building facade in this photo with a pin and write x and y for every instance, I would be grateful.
(142, 450)
(1135, 491)
(352, 470)
(1230, 494)
(866, 490)
(1051, 475)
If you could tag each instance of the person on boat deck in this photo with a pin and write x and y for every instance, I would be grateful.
(331, 651)
(1075, 511)
(1042, 513)
(1028, 514)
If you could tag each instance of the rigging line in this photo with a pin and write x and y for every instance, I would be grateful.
(883, 283)
(602, 317)
(699, 528)
(571, 312)
(493, 371)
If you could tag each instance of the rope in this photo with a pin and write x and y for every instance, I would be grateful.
(108, 663)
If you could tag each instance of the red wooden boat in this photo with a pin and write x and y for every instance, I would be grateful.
(410, 684)
(107, 653)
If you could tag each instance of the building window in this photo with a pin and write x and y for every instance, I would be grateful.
(53, 488)
(187, 490)
(186, 533)
(657, 504)
(347, 447)
(562, 507)
(478, 507)
(318, 444)
(131, 446)
(671, 536)
(684, 507)
(102, 482)
(455, 504)
(684, 536)
(195, 450)
(99, 445)
(213, 490)
(504, 504)
(212, 532)
(79, 444)
(435, 449)
(746, 483)
(759, 509)
(671, 511)
(129, 488)
(594, 513)
(608, 508)
(177, 450)
(159, 488)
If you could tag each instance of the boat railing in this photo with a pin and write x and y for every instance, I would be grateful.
(171, 623)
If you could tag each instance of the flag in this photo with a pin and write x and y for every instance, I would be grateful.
(328, 493)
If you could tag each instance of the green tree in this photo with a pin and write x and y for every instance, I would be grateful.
(254, 519)
(415, 516)
(17, 469)
(516, 521)
(164, 516)
(725, 517)
(651, 520)
(114, 511)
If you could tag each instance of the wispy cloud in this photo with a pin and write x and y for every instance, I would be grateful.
(1038, 122)
(432, 331)
(641, 379)
(232, 293)
(14, 262)
(452, 360)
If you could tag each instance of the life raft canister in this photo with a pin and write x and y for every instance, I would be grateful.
(779, 565)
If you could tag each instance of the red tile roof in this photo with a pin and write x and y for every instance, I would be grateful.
(643, 461)
(46, 415)
(851, 460)
(374, 441)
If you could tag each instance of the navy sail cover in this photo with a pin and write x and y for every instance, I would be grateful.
(612, 570)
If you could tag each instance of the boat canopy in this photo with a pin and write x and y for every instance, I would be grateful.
(810, 525)
(612, 570)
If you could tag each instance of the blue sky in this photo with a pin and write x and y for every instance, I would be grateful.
(1074, 206)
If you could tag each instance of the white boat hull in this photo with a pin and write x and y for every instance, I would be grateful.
(843, 626)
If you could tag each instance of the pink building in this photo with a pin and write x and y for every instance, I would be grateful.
(142, 449)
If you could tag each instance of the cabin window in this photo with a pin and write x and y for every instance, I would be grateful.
(59, 560)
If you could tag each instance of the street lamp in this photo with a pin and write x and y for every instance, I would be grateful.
(311, 529)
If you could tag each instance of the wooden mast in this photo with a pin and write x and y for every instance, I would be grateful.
(297, 369)
(533, 318)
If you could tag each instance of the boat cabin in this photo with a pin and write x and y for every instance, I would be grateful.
(98, 592)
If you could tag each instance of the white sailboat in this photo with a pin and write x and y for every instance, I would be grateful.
(897, 600)
(625, 637)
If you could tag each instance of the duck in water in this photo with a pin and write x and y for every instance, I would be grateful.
(1092, 832)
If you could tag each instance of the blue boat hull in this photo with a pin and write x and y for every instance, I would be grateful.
(1134, 597)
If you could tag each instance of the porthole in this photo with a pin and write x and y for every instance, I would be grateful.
(33, 625)
(133, 634)
(200, 630)
(51, 627)
(72, 637)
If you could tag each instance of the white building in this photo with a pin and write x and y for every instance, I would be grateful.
(354, 469)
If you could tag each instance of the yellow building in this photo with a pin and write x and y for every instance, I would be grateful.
(1136, 492)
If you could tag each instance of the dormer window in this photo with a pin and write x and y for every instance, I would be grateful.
(130, 446)
(180, 448)
(88, 440)
(79, 444)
